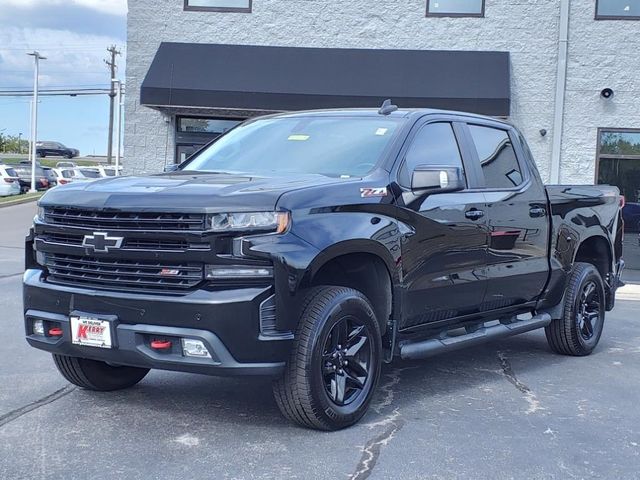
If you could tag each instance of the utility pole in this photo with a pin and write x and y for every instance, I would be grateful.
(119, 86)
(34, 118)
(111, 63)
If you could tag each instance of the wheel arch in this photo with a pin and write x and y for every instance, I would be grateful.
(598, 251)
(362, 265)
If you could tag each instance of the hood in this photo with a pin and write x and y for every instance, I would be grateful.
(181, 191)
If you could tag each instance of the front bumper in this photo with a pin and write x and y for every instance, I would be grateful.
(226, 321)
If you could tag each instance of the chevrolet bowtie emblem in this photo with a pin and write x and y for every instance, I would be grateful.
(101, 242)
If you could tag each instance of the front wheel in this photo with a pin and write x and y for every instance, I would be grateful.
(578, 331)
(335, 362)
(96, 375)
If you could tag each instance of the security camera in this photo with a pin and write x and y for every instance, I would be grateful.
(607, 93)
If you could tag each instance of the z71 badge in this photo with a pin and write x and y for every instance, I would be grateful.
(373, 192)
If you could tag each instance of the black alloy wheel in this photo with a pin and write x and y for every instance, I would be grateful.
(588, 312)
(347, 358)
(579, 329)
(334, 366)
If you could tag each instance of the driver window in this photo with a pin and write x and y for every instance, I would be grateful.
(434, 144)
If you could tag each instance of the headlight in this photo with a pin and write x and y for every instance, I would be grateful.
(40, 214)
(270, 221)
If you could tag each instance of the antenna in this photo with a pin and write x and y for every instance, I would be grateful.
(387, 107)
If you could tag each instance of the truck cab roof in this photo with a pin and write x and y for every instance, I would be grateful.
(414, 113)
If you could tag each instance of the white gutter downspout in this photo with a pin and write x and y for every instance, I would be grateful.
(561, 83)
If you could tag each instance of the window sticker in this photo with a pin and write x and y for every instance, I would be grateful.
(382, 131)
(298, 138)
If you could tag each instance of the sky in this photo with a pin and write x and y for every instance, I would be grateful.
(74, 36)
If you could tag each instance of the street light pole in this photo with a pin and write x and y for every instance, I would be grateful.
(34, 118)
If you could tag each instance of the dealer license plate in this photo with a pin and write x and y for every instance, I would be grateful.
(91, 332)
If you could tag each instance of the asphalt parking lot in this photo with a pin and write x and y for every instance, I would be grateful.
(509, 409)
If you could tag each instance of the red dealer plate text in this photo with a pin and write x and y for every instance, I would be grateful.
(90, 332)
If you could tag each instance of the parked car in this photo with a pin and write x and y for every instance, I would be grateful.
(107, 171)
(70, 175)
(24, 175)
(9, 181)
(55, 149)
(64, 176)
(312, 247)
(66, 165)
(87, 173)
(51, 176)
(631, 215)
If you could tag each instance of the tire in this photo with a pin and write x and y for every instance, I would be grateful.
(579, 330)
(322, 388)
(98, 376)
(69, 156)
(41, 155)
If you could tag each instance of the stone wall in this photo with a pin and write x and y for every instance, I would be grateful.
(602, 53)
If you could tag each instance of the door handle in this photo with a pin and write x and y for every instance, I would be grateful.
(537, 212)
(474, 214)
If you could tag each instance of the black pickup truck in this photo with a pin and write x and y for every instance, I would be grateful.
(314, 246)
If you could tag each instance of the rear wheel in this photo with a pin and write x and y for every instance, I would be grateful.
(335, 362)
(578, 331)
(95, 375)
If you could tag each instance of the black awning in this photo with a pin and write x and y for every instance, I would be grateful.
(288, 78)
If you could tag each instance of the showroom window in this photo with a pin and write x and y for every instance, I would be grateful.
(455, 8)
(617, 10)
(619, 161)
(218, 5)
(192, 133)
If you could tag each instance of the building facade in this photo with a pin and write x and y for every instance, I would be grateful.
(567, 73)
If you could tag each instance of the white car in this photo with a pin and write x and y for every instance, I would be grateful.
(86, 173)
(106, 171)
(9, 182)
(64, 176)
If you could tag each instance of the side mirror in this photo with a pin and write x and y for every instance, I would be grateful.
(437, 179)
(171, 168)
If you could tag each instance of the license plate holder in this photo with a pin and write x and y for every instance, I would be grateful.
(91, 331)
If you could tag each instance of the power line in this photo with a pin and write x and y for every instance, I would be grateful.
(86, 85)
(71, 93)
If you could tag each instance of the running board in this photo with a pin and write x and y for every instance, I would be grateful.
(434, 346)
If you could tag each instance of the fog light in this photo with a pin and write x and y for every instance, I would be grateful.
(38, 327)
(194, 348)
(236, 272)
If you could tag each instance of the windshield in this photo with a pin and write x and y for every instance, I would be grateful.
(332, 146)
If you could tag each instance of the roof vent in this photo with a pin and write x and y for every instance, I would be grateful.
(387, 108)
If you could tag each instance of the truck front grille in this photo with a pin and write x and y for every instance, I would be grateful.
(97, 272)
(76, 240)
(99, 219)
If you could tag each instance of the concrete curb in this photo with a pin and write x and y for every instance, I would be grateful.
(20, 201)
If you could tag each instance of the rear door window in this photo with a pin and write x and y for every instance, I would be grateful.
(497, 157)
